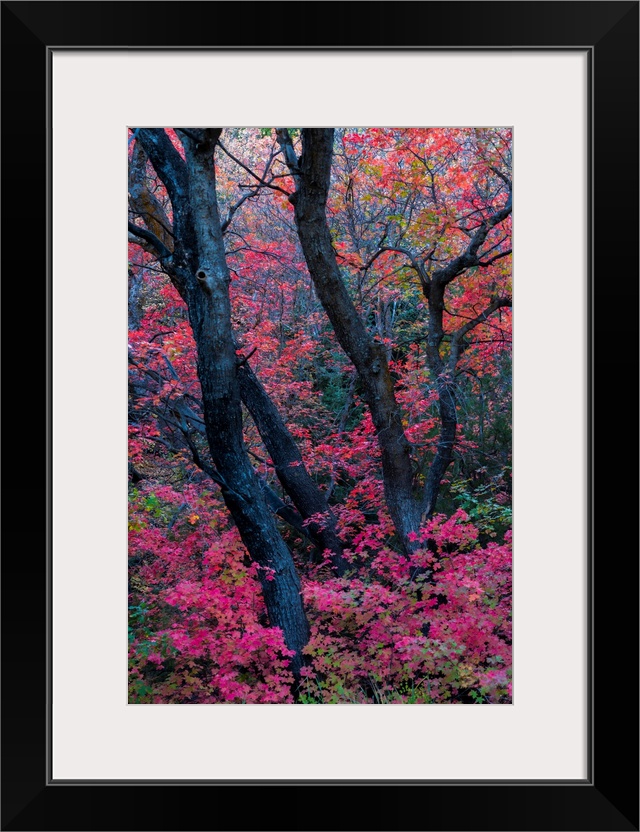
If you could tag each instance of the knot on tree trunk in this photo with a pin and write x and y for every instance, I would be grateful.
(205, 279)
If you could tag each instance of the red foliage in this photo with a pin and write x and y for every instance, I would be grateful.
(434, 626)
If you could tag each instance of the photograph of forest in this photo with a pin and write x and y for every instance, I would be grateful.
(319, 381)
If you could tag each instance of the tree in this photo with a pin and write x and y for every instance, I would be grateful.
(409, 505)
(198, 268)
(337, 342)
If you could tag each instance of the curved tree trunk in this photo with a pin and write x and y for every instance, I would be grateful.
(369, 357)
(408, 505)
(200, 272)
(290, 469)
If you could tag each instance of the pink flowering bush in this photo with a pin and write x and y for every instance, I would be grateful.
(434, 627)
(197, 632)
(319, 353)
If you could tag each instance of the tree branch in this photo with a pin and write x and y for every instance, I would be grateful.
(145, 204)
(457, 343)
(502, 176)
(470, 258)
(415, 265)
(493, 259)
(167, 163)
(284, 140)
(259, 179)
(235, 207)
(281, 509)
(160, 250)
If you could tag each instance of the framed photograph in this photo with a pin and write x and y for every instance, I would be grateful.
(519, 112)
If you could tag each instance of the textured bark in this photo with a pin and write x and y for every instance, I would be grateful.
(194, 257)
(445, 385)
(443, 372)
(368, 356)
(311, 172)
(200, 272)
(134, 306)
(188, 421)
(289, 466)
(143, 203)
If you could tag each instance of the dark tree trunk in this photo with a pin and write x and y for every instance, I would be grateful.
(368, 356)
(289, 466)
(134, 306)
(193, 254)
(202, 277)
(443, 372)
(312, 173)
(444, 377)
(445, 386)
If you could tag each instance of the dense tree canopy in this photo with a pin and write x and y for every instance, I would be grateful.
(320, 415)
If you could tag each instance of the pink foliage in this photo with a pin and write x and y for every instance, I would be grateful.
(430, 627)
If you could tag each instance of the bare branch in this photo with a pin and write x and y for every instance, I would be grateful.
(160, 250)
(235, 207)
(284, 140)
(501, 175)
(470, 257)
(143, 203)
(259, 179)
(493, 259)
(415, 265)
(457, 338)
(167, 162)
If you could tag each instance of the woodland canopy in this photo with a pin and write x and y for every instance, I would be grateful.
(320, 415)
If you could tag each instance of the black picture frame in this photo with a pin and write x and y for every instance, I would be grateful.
(608, 798)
